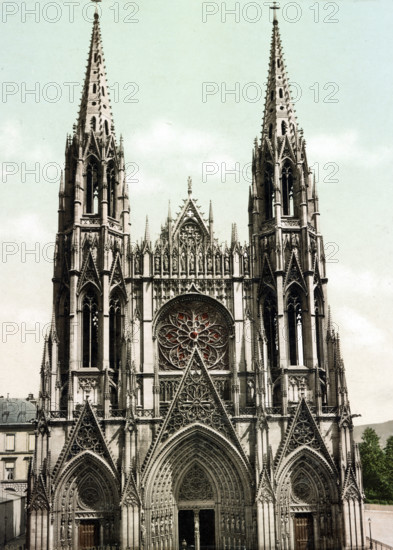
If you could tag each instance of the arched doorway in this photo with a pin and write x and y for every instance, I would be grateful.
(307, 504)
(198, 490)
(86, 505)
(196, 502)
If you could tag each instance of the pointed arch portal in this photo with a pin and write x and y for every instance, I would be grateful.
(198, 491)
(86, 503)
(308, 503)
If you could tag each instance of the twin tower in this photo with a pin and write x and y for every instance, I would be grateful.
(193, 394)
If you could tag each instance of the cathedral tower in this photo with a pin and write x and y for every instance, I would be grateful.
(192, 392)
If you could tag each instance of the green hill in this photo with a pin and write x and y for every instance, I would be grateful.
(383, 429)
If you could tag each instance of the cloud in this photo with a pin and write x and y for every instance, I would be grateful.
(186, 151)
(359, 330)
(365, 283)
(347, 146)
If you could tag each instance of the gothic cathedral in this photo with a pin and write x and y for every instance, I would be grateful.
(193, 394)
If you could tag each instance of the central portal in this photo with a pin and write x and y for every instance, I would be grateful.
(197, 529)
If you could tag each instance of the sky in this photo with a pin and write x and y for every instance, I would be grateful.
(187, 82)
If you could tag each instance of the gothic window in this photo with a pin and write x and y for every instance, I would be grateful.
(272, 95)
(280, 93)
(90, 329)
(111, 189)
(278, 62)
(106, 128)
(92, 188)
(318, 328)
(94, 88)
(270, 326)
(190, 325)
(287, 190)
(115, 332)
(295, 328)
(269, 193)
(93, 123)
(283, 128)
(270, 131)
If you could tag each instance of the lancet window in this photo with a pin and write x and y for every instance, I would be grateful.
(318, 328)
(270, 326)
(287, 190)
(269, 193)
(111, 189)
(115, 332)
(295, 328)
(90, 329)
(92, 188)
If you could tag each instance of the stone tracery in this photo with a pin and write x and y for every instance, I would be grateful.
(189, 325)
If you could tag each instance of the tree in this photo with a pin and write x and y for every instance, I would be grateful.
(373, 463)
(389, 465)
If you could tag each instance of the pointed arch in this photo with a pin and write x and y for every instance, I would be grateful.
(116, 308)
(230, 480)
(92, 186)
(269, 191)
(270, 325)
(287, 180)
(306, 486)
(90, 327)
(294, 309)
(87, 488)
(319, 315)
(111, 188)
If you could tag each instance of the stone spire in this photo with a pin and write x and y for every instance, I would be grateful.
(279, 115)
(95, 111)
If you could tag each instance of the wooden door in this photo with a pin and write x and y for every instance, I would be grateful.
(88, 535)
(304, 534)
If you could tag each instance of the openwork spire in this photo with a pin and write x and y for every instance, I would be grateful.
(279, 116)
(95, 111)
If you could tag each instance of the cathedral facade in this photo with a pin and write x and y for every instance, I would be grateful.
(193, 393)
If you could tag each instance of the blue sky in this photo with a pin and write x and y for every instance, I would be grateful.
(160, 56)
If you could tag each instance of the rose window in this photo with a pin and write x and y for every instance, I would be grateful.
(188, 326)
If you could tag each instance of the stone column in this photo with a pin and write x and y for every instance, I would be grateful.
(196, 530)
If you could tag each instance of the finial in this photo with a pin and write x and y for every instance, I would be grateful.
(96, 16)
(211, 212)
(147, 230)
(275, 7)
(61, 190)
(169, 211)
(189, 182)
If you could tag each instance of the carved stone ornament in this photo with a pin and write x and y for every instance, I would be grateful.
(196, 485)
(189, 325)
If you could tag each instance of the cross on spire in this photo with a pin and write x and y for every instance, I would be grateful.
(189, 182)
(96, 3)
(275, 7)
